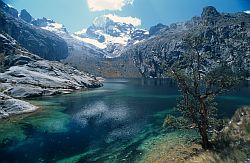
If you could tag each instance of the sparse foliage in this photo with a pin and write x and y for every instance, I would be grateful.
(201, 77)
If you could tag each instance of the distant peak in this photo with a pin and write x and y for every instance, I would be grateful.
(209, 11)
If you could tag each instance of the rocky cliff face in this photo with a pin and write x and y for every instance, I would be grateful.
(38, 41)
(226, 36)
(25, 16)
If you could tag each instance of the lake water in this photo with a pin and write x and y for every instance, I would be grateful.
(108, 124)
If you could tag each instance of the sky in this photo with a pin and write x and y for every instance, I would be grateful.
(79, 14)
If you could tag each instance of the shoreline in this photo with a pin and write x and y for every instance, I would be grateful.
(26, 105)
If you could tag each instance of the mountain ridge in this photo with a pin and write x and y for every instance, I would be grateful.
(226, 35)
(147, 53)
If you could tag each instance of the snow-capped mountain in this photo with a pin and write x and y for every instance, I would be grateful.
(112, 33)
(107, 36)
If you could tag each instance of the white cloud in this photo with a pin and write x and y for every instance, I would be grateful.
(100, 5)
(127, 20)
(248, 12)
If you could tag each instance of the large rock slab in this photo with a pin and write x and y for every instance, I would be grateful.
(10, 106)
(44, 78)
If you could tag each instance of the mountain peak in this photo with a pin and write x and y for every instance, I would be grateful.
(112, 33)
(104, 19)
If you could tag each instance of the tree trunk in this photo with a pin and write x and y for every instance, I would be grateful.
(203, 133)
(203, 124)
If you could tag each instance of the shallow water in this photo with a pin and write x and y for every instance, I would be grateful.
(108, 124)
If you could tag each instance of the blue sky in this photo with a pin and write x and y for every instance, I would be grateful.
(78, 14)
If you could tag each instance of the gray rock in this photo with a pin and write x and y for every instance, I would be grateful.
(24, 91)
(10, 106)
(44, 78)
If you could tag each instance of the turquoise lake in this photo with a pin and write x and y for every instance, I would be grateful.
(107, 124)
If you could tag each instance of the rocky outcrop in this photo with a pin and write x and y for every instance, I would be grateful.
(156, 29)
(28, 75)
(38, 41)
(209, 12)
(226, 36)
(38, 78)
(10, 106)
(25, 16)
(239, 126)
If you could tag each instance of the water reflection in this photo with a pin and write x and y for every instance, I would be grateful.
(158, 82)
(98, 112)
